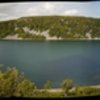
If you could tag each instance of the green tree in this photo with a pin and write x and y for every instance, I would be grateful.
(67, 85)
(13, 83)
(48, 84)
(25, 89)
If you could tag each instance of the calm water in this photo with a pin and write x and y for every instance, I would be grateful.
(56, 61)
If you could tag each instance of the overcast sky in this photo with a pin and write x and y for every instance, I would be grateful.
(16, 10)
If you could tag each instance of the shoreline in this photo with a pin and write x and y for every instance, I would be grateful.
(61, 90)
(51, 40)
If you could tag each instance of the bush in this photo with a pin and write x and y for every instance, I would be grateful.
(13, 83)
(87, 91)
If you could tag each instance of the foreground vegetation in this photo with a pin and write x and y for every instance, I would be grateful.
(65, 27)
(13, 83)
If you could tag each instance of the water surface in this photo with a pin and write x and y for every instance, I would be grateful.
(56, 60)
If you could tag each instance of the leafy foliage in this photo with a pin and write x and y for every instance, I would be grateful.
(48, 84)
(15, 84)
(67, 85)
(87, 91)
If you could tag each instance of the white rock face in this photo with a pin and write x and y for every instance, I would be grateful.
(44, 33)
(96, 38)
(16, 28)
(27, 30)
(88, 34)
(13, 37)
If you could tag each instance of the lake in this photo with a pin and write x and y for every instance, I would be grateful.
(54, 60)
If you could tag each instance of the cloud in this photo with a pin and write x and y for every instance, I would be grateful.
(3, 14)
(43, 9)
(49, 6)
(71, 12)
(34, 11)
(15, 10)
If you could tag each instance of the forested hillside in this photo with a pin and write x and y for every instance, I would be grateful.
(51, 27)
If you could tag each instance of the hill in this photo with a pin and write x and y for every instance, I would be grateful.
(51, 28)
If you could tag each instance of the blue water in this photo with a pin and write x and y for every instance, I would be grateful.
(56, 60)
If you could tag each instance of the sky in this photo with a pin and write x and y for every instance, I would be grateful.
(19, 9)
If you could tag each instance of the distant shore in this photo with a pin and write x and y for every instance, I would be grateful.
(82, 39)
(47, 38)
(61, 90)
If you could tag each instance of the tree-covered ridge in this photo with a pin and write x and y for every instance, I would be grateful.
(42, 27)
